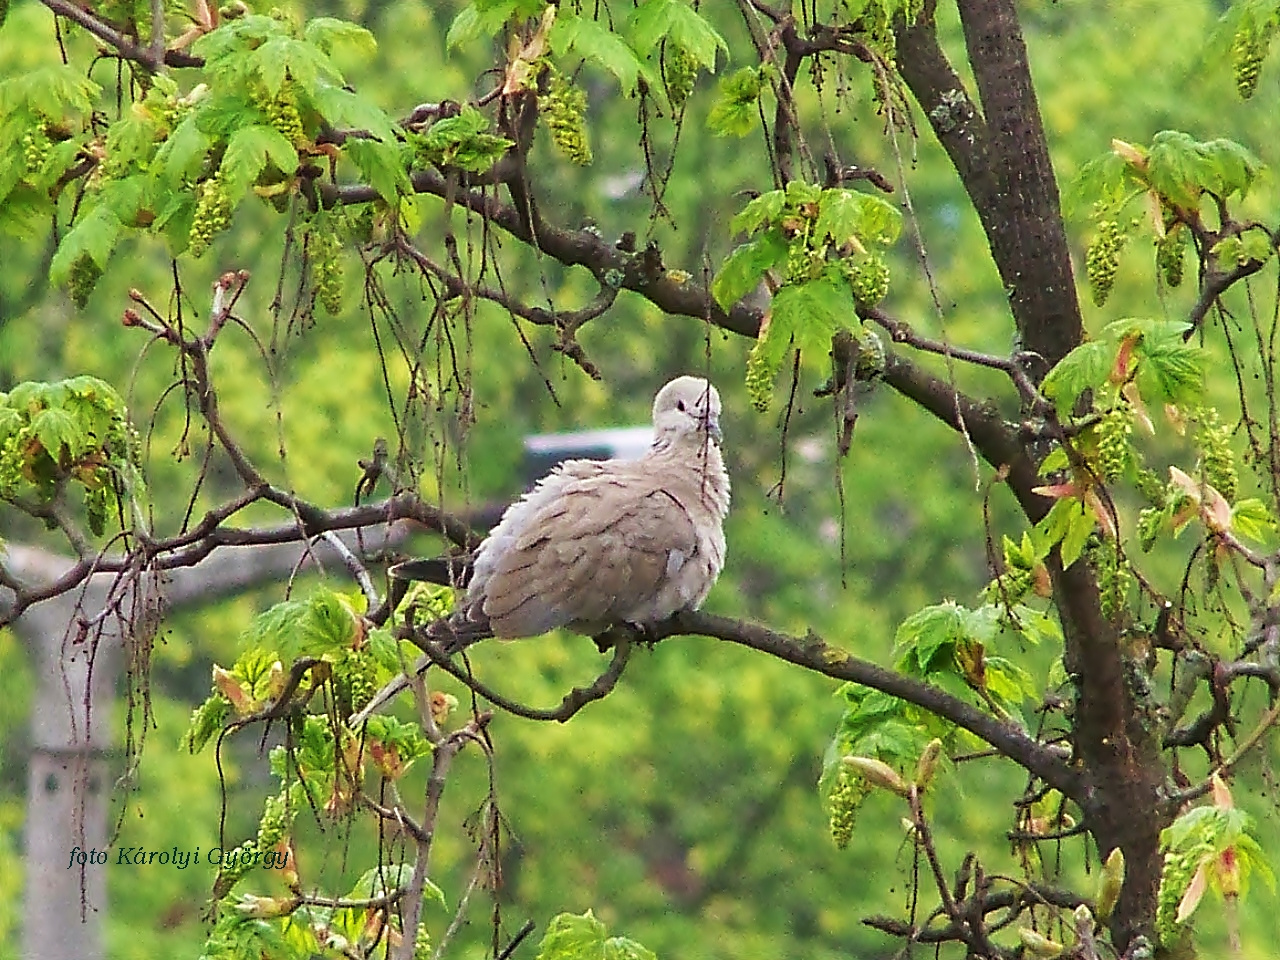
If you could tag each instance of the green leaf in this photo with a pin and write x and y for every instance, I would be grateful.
(61, 156)
(812, 311)
(282, 57)
(923, 634)
(738, 108)
(381, 166)
(1055, 460)
(221, 114)
(1080, 526)
(466, 26)
(48, 91)
(180, 157)
(848, 215)
(1230, 252)
(126, 197)
(248, 152)
(1063, 517)
(24, 211)
(319, 625)
(174, 221)
(1176, 167)
(1251, 519)
(1256, 245)
(55, 428)
(591, 40)
(1035, 626)
(1007, 681)
(95, 234)
(472, 22)
(743, 268)
(328, 624)
(1214, 827)
(1105, 181)
(464, 141)
(13, 165)
(206, 720)
(326, 33)
(649, 23)
(891, 739)
(234, 37)
(624, 948)
(407, 738)
(1084, 368)
(1145, 327)
(697, 37)
(345, 108)
(131, 138)
(761, 210)
(766, 356)
(1229, 168)
(571, 937)
(983, 623)
(381, 881)
(799, 192)
(1170, 369)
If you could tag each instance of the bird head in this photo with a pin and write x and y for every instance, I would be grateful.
(687, 408)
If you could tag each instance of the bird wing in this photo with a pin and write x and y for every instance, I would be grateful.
(589, 555)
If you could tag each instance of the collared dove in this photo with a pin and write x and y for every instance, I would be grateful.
(597, 544)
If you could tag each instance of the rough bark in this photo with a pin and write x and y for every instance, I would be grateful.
(1000, 151)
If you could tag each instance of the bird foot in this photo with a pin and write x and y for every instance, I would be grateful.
(625, 633)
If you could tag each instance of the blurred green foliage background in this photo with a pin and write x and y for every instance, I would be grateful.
(683, 808)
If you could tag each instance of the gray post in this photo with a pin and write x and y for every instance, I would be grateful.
(68, 778)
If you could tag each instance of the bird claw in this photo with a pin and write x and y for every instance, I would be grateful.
(625, 633)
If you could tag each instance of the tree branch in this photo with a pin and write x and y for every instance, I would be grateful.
(186, 550)
(573, 701)
(586, 248)
(125, 46)
(813, 653)
(1003, 162)
(1269, 720)
(1215, 285)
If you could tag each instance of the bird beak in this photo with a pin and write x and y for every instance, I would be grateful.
(713, 428)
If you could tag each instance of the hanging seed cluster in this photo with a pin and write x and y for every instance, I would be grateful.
(868, 279)
(1248, 50)
(213, 214)
(1102, 260)
(564, 110)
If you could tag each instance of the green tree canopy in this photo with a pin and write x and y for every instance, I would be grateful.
(1007, 543)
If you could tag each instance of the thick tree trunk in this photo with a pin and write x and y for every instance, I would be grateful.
(1001, 154)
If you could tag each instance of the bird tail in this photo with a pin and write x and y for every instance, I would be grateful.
(450, 571)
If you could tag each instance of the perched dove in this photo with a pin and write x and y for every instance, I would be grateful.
(596, 544)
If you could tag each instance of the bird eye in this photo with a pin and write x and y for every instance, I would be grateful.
(680, 405)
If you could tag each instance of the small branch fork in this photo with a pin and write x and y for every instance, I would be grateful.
(152, 57)
(966, 905)
(566, 323)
